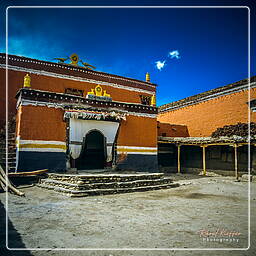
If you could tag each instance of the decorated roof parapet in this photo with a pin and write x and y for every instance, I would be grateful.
(67, 101)
(68, 71)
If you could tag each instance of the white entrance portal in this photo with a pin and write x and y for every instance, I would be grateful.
(80, 128)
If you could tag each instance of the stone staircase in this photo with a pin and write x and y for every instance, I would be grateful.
(80, 185)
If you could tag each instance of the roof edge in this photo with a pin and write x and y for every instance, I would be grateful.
(81, 68)
(197, 97)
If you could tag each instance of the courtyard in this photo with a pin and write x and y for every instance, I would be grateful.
(203, 212)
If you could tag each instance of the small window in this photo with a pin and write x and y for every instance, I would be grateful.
(145, 100)
(75, 92)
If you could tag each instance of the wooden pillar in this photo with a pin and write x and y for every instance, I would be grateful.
(204, 160)
(178, 158)
(236, 168)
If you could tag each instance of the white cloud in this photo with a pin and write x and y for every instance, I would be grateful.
(160, 64)
(174, 54)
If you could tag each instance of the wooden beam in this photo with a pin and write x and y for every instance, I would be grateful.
(178, 158)
(236, 166)
(208, 144)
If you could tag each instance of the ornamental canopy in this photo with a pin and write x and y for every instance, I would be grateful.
(95, 115)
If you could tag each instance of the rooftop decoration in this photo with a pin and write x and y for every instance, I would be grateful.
(27, 81)
(147, 77)
(98, 93)
(74, 60)
(153, 100)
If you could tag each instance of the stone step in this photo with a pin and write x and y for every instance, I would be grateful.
(107, 185)
(93, 192)
(102, 178)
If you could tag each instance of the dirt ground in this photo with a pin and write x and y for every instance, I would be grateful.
(204, 212)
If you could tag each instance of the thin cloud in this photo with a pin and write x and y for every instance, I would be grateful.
(174, 54)
(160, 64)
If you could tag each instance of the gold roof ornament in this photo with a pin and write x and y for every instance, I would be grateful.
(61, 60)
(153, 100)
(74, 60)
(87, 66)
(98, 90)
(27, 80)
(147, 77)
(98, 93)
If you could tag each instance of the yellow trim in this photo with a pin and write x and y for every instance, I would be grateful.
(136, 150)
(30, 145)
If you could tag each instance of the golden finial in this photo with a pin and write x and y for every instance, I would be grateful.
(27, 80)
(98, 90)
(153, 100)
(147, 77)
(74, 59)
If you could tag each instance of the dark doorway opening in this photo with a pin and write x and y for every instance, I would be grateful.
(93, 152)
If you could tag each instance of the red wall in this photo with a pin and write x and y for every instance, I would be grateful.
(40, 82)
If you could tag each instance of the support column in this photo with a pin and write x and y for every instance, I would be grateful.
(178, 158)
(236, 168)
(204, 160)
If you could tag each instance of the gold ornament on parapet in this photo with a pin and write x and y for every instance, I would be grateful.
(98, 92)
(27, 80)
(74, 60)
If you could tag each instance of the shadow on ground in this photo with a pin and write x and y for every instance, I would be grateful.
(14, 237)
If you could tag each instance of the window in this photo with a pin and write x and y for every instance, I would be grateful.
(75, 92)
(145, 100)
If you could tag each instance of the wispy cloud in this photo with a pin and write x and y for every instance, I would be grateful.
(174, 54)
(160, 64)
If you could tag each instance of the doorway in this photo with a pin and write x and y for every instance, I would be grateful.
(93, 153)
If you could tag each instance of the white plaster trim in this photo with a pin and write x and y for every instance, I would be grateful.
(142, 150)
(49, 150)
(53, 142)
(80, 79)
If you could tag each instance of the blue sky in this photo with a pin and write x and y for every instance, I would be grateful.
(212, 44)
